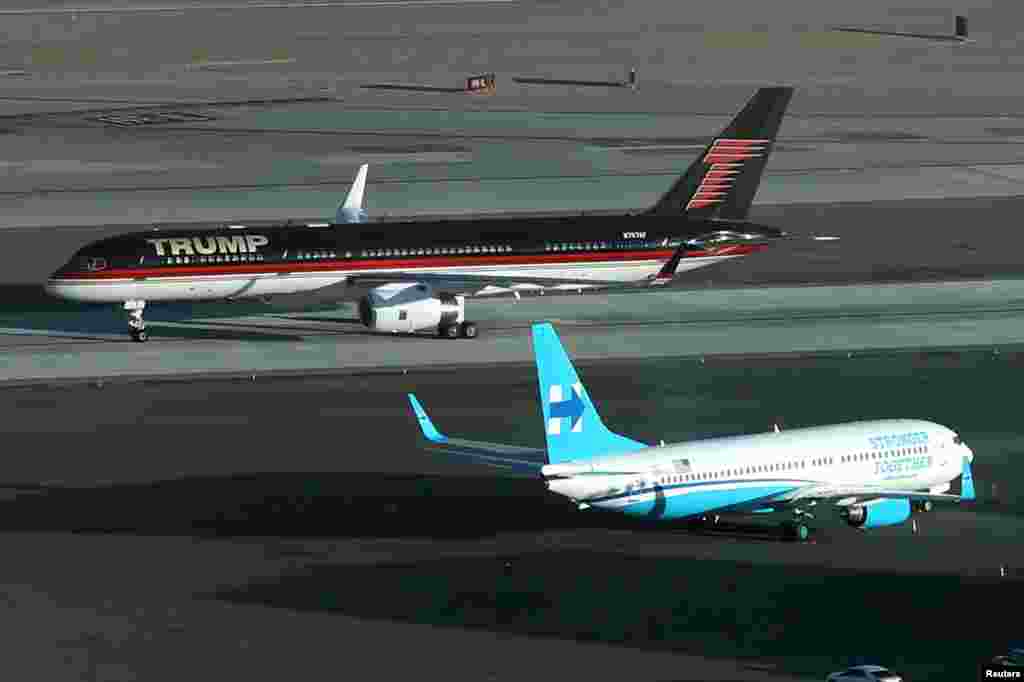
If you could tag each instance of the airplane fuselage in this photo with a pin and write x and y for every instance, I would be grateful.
(678, 481)
(174, 265)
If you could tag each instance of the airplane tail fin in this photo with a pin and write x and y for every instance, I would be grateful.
(351, 210)
(961, 27)
(722, 182)
(573, 428)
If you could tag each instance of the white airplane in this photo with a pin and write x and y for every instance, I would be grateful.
(877, 472)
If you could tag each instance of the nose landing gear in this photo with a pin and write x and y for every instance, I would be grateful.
(136, 325)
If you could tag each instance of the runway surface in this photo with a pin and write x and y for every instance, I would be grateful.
(75, 344)
(295, 507)
(113, 117)
(292, 525)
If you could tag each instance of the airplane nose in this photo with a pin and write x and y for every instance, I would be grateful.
(53, 287)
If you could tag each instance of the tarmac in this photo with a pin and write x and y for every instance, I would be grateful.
(361, 533)
(63, 345)
(187, 525)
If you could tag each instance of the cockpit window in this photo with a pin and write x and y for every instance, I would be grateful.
(957, 440)
(94, 264)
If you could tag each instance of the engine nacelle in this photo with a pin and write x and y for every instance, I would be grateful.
(409, 308)
(891, 512)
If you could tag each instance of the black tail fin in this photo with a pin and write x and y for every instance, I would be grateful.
(961, 27)
(723, 181)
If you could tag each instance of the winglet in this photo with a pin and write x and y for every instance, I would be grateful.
(430, 432)
(966, 482)
(351, 210)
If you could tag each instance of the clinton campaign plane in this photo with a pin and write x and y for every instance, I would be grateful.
(877, 472)
(414, 276)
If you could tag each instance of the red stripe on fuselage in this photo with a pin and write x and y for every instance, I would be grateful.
(367, 266)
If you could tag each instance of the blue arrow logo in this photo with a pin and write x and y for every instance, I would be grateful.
(571, 408)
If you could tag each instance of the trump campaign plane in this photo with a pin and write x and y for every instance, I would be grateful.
(877, 472)
(414, 276)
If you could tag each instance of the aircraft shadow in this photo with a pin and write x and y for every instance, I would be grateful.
(603, 594)
(306, 505)
(706, 607)
(27, 308)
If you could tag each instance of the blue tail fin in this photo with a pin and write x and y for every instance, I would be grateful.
(573, 428)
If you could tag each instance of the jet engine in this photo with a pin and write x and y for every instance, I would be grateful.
(413, 308)
(890, 512)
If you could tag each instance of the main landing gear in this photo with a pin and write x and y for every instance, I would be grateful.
(466, 330)
(136, 325)
(919, 507)
(796, 529)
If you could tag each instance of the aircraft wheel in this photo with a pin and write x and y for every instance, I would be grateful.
(449, 332)
(139, 335)
(923, 506)
(796, 531)
(468, 330)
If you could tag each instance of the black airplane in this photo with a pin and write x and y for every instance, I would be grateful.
(413, 276)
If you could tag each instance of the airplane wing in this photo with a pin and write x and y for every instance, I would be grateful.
(501, 455)
(473, 285)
